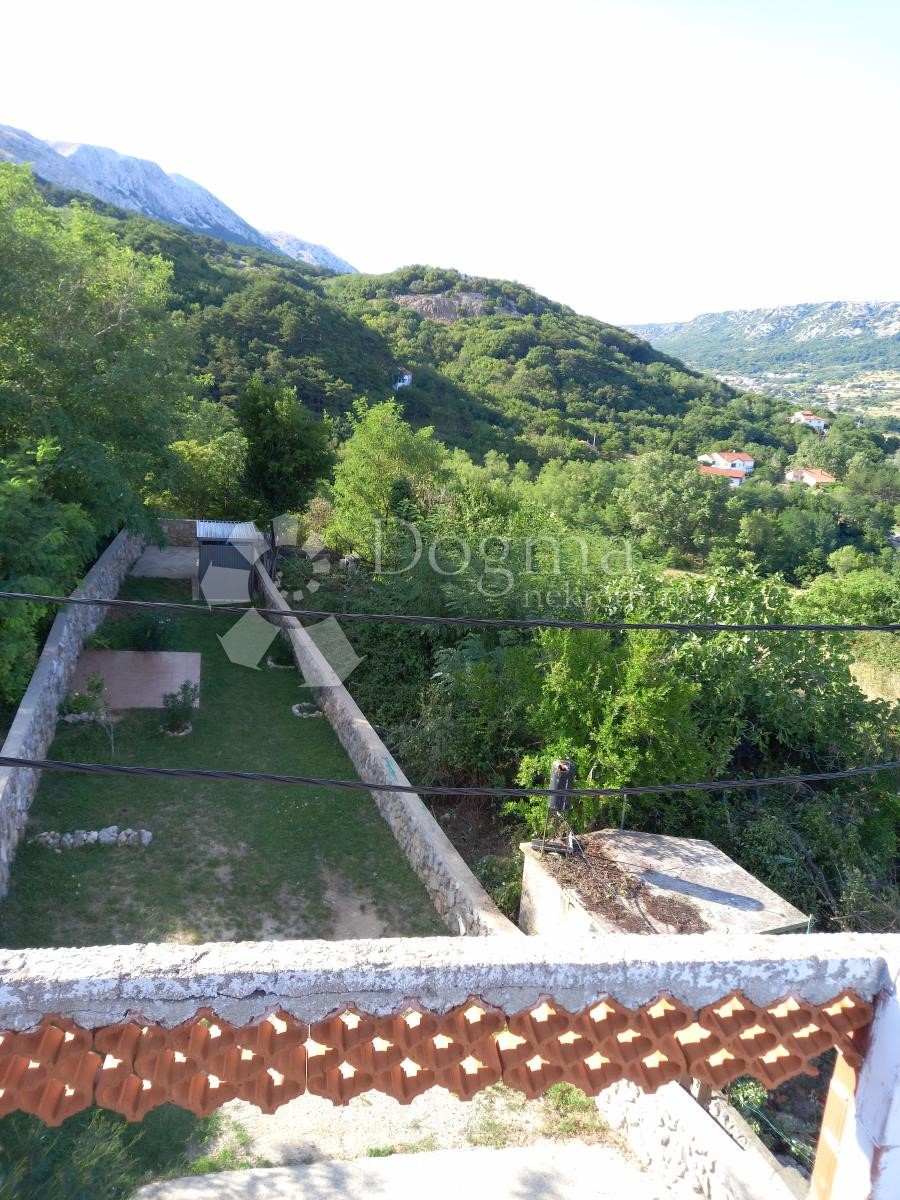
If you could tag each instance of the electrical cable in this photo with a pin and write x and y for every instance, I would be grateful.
(481, 622)
(50, 764)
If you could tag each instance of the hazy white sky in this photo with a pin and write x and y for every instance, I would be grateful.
(640, 160)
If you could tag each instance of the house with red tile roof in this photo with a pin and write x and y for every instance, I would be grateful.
(729, 460)
(734, 477)
(807, 417)
(811, 476)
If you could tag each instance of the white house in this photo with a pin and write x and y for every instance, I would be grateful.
(735, 478)
(729, 460)
(811, 476)
(403, 379)
(805, 417)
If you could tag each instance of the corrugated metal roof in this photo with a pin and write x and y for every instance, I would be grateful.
(227, 531)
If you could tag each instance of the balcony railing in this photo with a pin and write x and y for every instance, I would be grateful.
(130, 1027)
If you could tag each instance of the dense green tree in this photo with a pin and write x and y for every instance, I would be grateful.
(89, 354)
(288, 449)
(382, 452)
(92, 372)
(43, 544)
(670, 504)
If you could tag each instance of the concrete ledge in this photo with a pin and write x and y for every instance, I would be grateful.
(244, 981)
(686, 1149)
(457, 895)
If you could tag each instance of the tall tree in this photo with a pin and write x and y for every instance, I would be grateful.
(288, 449)
(92, 369)
(383, 461)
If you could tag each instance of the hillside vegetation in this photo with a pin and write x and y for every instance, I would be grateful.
(539, 464)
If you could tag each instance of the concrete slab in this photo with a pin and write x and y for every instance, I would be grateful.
(168, 562)
(136, 678)
(546, 1171)
(726, 898)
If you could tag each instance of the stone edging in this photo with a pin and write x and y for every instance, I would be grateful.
(457, 895)
(110, 835)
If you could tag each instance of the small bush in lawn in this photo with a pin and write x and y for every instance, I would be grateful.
(179, 706)
(88, 701)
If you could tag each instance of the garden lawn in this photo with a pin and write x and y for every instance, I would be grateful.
(228, 860)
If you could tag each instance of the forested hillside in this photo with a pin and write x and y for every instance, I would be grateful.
(538, 463)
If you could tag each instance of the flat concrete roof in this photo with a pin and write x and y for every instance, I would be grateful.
(726, 898)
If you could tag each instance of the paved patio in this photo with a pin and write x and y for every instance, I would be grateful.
(168, 562)
(547, 1171)
(136, 678)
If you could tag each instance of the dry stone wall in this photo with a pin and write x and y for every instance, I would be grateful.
(32, 729)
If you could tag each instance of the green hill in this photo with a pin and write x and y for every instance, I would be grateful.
(494, 365)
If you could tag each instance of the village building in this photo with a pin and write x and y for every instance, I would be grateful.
(735, 478)
(730, 460)
(811, 476)
(806, 417)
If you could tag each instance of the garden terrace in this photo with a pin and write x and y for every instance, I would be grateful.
(228, 860)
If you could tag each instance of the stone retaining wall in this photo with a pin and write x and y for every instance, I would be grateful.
(34, 724)
(179, 532)
(457, 895)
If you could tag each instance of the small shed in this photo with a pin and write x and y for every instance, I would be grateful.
(229, 550)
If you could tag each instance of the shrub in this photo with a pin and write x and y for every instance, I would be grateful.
(143, 631)
(501, 878)
(179, 706)
(88, 701)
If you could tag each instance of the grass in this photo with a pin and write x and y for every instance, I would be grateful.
(503, 1117)
(228, 860)
(568, 1112)
(234, 1150)
(423, 1145)
(98, 1155)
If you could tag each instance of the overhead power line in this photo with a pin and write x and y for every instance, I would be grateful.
(480, 622)
(51, 764)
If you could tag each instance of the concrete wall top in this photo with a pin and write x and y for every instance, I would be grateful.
(310, 979)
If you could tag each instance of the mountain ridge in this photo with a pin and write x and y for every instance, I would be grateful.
(843, 351)
(832, 319)
(141, 185)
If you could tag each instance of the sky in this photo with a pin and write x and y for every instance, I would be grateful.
(639, 160)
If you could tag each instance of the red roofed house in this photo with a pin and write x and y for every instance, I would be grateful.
(729, 460)
(805, 417)
(811, 476)
(735, 478)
